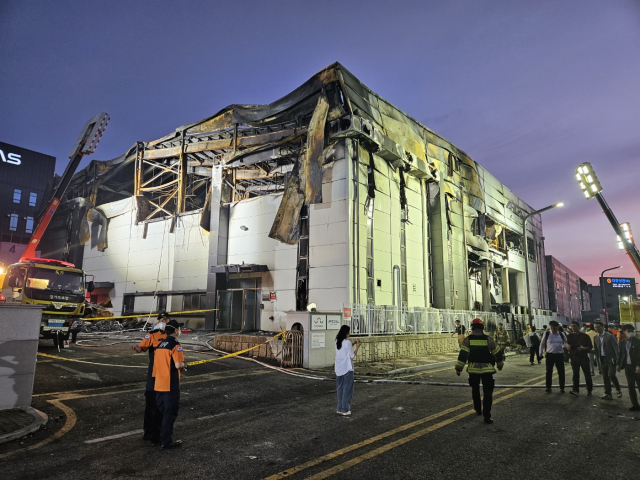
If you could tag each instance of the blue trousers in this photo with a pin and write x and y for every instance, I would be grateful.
(344, 389)
(167, 403)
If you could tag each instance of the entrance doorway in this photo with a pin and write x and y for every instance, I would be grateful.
(239, 309)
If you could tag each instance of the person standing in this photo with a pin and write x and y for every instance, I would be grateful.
(344, 369)
(592, 354)
(607, 351)
(579, 346)
(629, 360)
(167, 365)
(152, 417)
(533, 342)
(461, 331)
(553, 342)
(482, 354)
(501, 337)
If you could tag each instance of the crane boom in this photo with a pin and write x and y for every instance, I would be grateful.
(85, 144)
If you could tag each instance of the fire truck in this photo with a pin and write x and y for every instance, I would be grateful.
(57, 285)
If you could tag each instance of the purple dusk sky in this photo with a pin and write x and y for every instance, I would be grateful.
(528, 89)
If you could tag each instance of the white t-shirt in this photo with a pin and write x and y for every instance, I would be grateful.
(554, 343)
(343, 358)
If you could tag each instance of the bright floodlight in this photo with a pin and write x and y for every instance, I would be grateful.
(588, 181)
(560, 204)
(628, 236)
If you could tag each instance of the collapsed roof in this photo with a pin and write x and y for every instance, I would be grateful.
(279, 147)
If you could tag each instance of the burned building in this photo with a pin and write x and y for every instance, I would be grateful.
(329, 195)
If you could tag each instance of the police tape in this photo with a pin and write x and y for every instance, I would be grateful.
(235, 354)
(189, 364)
(90, 363)
(92, 319)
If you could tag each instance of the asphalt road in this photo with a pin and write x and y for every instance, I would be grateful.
(239, 419)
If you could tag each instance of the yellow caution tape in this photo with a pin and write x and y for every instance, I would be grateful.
(90, 363)
(235, 354)
(190, 364)
(154, 315)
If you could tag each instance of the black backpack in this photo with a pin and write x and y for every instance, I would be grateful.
(534, 339)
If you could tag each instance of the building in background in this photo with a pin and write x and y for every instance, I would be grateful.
(568, 293)
(329, 196)
(614, 287)
(26, 178)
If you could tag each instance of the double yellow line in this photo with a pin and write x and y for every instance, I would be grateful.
(373, 453)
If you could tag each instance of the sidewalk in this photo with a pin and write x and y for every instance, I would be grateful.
(18, 422)
(398, 366)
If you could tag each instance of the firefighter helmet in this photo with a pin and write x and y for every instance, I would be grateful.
(477, 322)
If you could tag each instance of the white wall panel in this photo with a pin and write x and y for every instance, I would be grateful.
(328, 234)
(329, 255)
(329, 277)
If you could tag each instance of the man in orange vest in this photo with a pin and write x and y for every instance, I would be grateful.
(167, 365)
(152, 419)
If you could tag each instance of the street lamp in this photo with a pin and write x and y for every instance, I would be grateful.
(591, 188)
(604, 305)
(526, 252)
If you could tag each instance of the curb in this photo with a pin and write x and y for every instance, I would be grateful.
(39, 419)
(429, 366)
(419, 368)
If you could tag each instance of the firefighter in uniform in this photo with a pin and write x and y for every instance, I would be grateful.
(167, 365)
(152, 419)
(502, 338)
(483, 355)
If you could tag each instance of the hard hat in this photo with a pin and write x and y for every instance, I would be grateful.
(477, 322)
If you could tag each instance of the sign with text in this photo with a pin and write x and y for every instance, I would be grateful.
(318, 322)
(317, 340)
(333, 322)
(346, 312)
(619, 282)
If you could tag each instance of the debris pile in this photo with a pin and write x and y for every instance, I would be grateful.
(113, 325)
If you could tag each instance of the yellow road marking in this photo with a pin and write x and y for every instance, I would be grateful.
(71, 416)
(369, 441)
(385, 448)
(68, 425)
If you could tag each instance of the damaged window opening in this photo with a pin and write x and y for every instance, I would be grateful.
(404, 218)
(302, 272)
(453, 164)
(531, 249)
(371, 297)
(514, 242)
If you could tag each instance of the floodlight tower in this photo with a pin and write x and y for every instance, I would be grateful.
(591, 188)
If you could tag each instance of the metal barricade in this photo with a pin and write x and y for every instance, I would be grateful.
(292, 349)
